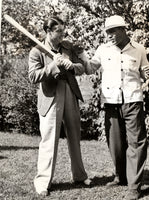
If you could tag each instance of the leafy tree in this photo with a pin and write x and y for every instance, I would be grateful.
(19, 100)
(84, 23)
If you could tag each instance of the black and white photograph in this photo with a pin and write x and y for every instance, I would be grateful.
(74, 100)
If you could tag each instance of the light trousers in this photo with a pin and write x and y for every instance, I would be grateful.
(64, 108)
(127, 141)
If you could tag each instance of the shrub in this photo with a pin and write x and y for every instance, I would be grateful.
(85, 23)
(19, 100)
(92, 114)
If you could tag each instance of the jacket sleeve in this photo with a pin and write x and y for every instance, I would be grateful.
(38, 71)
(144, 64)
(78, 65)
(72, 51)
(91, 65)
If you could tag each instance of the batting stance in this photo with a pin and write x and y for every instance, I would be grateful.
(58, 96)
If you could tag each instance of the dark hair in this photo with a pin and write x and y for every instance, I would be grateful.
(55, 20)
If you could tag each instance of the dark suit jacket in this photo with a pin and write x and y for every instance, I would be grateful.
(38, 73)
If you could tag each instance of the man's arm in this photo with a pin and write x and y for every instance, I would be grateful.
(75, 65)
(144, 69)
(144, 64)
(91, 65)
(38, 71)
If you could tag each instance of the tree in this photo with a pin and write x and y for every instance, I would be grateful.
(84, 23)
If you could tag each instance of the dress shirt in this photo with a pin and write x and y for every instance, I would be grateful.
(122, 72)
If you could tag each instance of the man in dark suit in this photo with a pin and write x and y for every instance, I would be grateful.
(58, 96)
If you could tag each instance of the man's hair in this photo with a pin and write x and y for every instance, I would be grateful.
(50, 23)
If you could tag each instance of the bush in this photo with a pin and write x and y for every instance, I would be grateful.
(19, 99)
(85, 23)
(92, 114)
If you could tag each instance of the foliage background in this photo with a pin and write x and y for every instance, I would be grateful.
(84, 22)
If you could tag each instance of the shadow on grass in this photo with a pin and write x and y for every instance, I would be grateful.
(145, 184)
(96, 181)
(146, 177)
(7, 148)
(3, 157)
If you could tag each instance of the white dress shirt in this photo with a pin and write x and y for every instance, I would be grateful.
(121, 71)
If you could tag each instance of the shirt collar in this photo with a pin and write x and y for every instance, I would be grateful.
(133, 44)
(130, 44)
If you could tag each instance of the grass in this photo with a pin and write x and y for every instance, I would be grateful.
(18, 158)
(18, 166)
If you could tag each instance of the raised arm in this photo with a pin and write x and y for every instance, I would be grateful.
(38, 70)
(93, 64)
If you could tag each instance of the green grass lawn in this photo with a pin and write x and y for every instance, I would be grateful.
(18, 158)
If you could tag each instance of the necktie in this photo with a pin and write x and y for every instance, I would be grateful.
(74, 85)
(70, 77)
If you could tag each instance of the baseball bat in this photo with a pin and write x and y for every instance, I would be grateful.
(29, 35)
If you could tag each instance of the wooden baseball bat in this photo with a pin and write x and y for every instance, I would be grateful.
(29, 35)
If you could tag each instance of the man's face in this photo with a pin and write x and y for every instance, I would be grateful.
(56, 34)
(116, 35)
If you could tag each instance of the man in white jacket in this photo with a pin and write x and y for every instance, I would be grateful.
(123, 64)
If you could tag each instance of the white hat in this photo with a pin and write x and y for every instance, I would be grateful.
(114, 21)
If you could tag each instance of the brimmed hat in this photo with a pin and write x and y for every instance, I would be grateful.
(114, 21)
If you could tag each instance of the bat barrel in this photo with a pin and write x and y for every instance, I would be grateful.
(28, 34)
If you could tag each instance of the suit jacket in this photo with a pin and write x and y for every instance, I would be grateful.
(42, 70)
